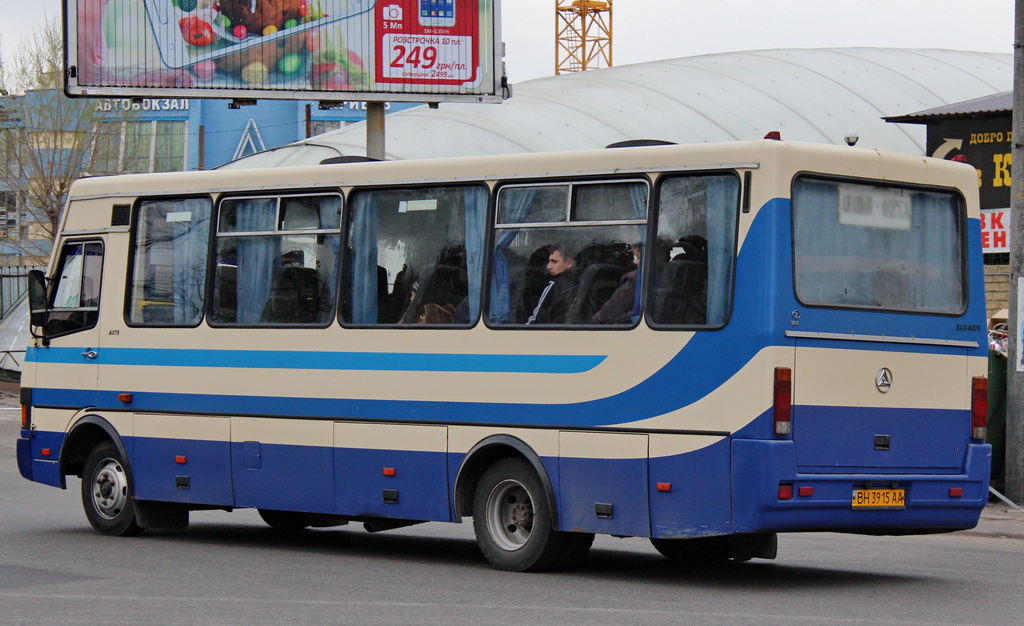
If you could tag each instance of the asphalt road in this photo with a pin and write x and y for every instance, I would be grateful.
(231, 568)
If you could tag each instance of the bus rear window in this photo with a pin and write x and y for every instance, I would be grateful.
(865, 245)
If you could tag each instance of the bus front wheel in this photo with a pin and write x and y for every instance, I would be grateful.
(107, 494)
(512, 521)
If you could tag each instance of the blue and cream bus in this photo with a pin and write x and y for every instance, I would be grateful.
(798, 345)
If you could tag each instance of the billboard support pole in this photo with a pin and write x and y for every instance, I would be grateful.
(375, 130)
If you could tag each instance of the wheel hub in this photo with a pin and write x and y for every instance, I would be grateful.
(110, 489)
(510, 515)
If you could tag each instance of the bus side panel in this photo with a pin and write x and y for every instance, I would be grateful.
(196, 470)
(690, 493)
(392, 470)
(283, 465)
(603, 483)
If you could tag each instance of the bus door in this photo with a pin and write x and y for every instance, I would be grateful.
(72, 327)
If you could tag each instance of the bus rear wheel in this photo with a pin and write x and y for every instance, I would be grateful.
(512, 521)
(107, 493)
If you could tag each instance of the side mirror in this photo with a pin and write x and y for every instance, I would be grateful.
(37, 299)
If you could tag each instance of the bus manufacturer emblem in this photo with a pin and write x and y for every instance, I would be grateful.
(883, 379)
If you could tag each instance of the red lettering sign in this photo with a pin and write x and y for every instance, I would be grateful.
(995, 232)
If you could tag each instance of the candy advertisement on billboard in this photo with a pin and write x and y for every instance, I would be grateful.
(396, 50)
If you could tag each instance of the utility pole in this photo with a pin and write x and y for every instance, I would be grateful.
(1015, 367)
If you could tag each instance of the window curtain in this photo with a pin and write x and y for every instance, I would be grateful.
(328, 216)
(722, 204)
(363, 245)
(475, 200)
(257, 258)
(638, 195)
(190, 242)
(937, 250)
(516, 203)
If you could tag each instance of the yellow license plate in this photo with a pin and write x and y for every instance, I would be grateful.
(879, 499)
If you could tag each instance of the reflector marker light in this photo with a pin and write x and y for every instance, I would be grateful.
(979, 407)
(389, 471)
(956, 492)
(774, 134)
(45, 452)
(181, 460)
(664, 487)
(782, 403)
(124, 397)
(805, 492)
(785, 492)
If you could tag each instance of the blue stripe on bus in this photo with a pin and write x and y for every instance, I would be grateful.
(350, 361)
(616, 410)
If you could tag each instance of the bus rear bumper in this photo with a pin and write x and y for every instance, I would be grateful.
(933, 502)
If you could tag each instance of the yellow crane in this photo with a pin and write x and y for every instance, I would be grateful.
(583, 35)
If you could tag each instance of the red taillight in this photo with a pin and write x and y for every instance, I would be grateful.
(979, 407)
(782, 403)
(785, 492)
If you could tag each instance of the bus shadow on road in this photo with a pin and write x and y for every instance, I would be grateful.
(763, 575)
(352, 542)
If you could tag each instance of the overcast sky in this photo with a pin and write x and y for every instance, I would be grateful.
(647, 30)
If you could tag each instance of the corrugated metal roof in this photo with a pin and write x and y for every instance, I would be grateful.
(814, 95)
(985, 105)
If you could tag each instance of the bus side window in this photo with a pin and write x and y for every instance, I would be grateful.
(695, 251)
(277, 260)
(563, 250)
(415, 255)
(76, 293)
(168, 265)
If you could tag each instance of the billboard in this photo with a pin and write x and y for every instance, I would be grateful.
(985, 143)
(369, 50)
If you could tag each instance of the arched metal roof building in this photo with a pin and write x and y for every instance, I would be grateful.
(814, 95)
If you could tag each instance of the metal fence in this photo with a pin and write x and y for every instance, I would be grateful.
(13, 285)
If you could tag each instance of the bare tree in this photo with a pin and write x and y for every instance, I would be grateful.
(47, 140)
(39, 63)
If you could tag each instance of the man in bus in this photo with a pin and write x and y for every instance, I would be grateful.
(558, 295)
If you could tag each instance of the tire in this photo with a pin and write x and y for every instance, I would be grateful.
(512, 521)
(284, 520)
(107, 492)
